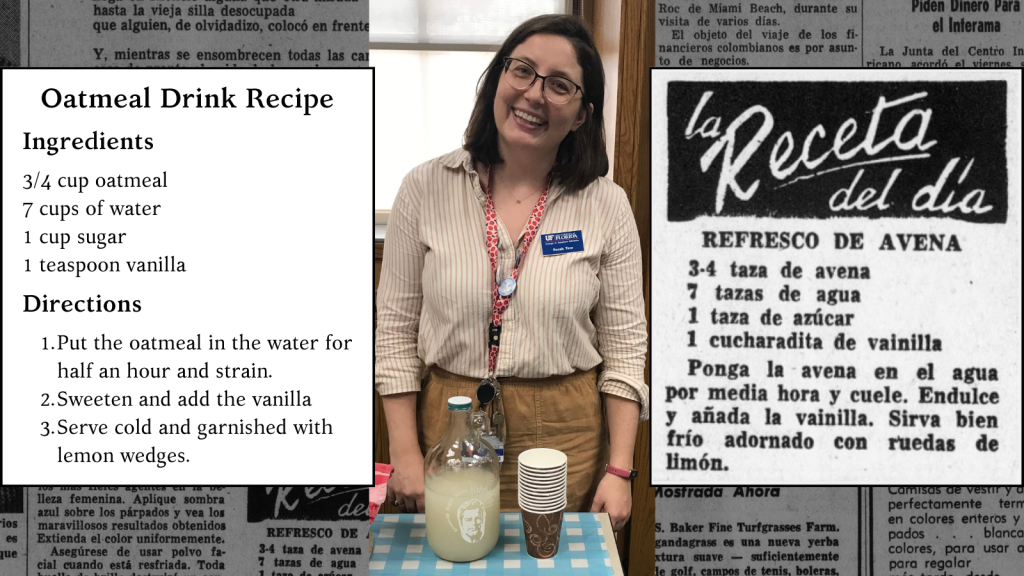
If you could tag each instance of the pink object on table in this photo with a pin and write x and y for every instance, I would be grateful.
(380, 490)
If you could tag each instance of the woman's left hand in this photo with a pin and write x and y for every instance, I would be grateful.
(614, 496)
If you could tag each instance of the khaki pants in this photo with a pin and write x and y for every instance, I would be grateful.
(560, 412)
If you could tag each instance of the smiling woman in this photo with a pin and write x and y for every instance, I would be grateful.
(513, 79)
(458, 268)
(428, 55)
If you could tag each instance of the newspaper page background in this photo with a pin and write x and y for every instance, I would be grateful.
(747, 531)
(953, 530)
(841, 383)
(197, 33)
(813, 531)
(120, 531)
(117, 531)
(843, 33)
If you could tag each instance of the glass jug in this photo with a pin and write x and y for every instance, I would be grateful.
(460, 476)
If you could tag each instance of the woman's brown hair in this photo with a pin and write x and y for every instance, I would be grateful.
(581, 156)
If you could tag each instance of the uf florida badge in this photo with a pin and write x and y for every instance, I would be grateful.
(562, 242)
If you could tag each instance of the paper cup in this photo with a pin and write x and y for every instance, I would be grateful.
(530, 477)
(542, 490)
(553, 464)
(526, 471)
(542, 484)
(542, 497)
(543, 493)
(542, 531)
(549, 510)
(542, 458)
(542, 471)
(532, 506)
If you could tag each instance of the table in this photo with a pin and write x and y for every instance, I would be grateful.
(586, 547)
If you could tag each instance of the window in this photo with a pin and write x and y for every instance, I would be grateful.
(428, 56)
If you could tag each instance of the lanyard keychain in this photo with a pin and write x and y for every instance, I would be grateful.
(488, 391)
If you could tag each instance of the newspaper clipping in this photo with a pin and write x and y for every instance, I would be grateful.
(882, 531)
(843, 33)
(836, 268)
(184, 530)
(128, 530)
(185, 33)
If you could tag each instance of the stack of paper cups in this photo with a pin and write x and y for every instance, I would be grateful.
(542, 476)
(542, 498)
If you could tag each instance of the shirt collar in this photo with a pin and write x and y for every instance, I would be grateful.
(461, 158)
(458, 158)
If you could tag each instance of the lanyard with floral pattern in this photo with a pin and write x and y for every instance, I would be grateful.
(488, 390)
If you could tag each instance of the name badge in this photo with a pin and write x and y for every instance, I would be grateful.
(562, 242)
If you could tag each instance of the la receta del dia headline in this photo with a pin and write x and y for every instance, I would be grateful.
(174, 98)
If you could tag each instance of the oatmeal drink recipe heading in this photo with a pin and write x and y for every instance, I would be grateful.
(174, 98)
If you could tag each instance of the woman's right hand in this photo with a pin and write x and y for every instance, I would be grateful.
(405, 488)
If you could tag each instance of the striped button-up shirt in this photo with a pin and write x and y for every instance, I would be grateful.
(569, 312)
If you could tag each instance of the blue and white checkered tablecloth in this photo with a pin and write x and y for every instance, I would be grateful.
(400, 547)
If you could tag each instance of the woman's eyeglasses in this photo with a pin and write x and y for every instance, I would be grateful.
(557, 89)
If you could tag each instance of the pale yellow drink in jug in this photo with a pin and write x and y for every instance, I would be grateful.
(462, 514)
